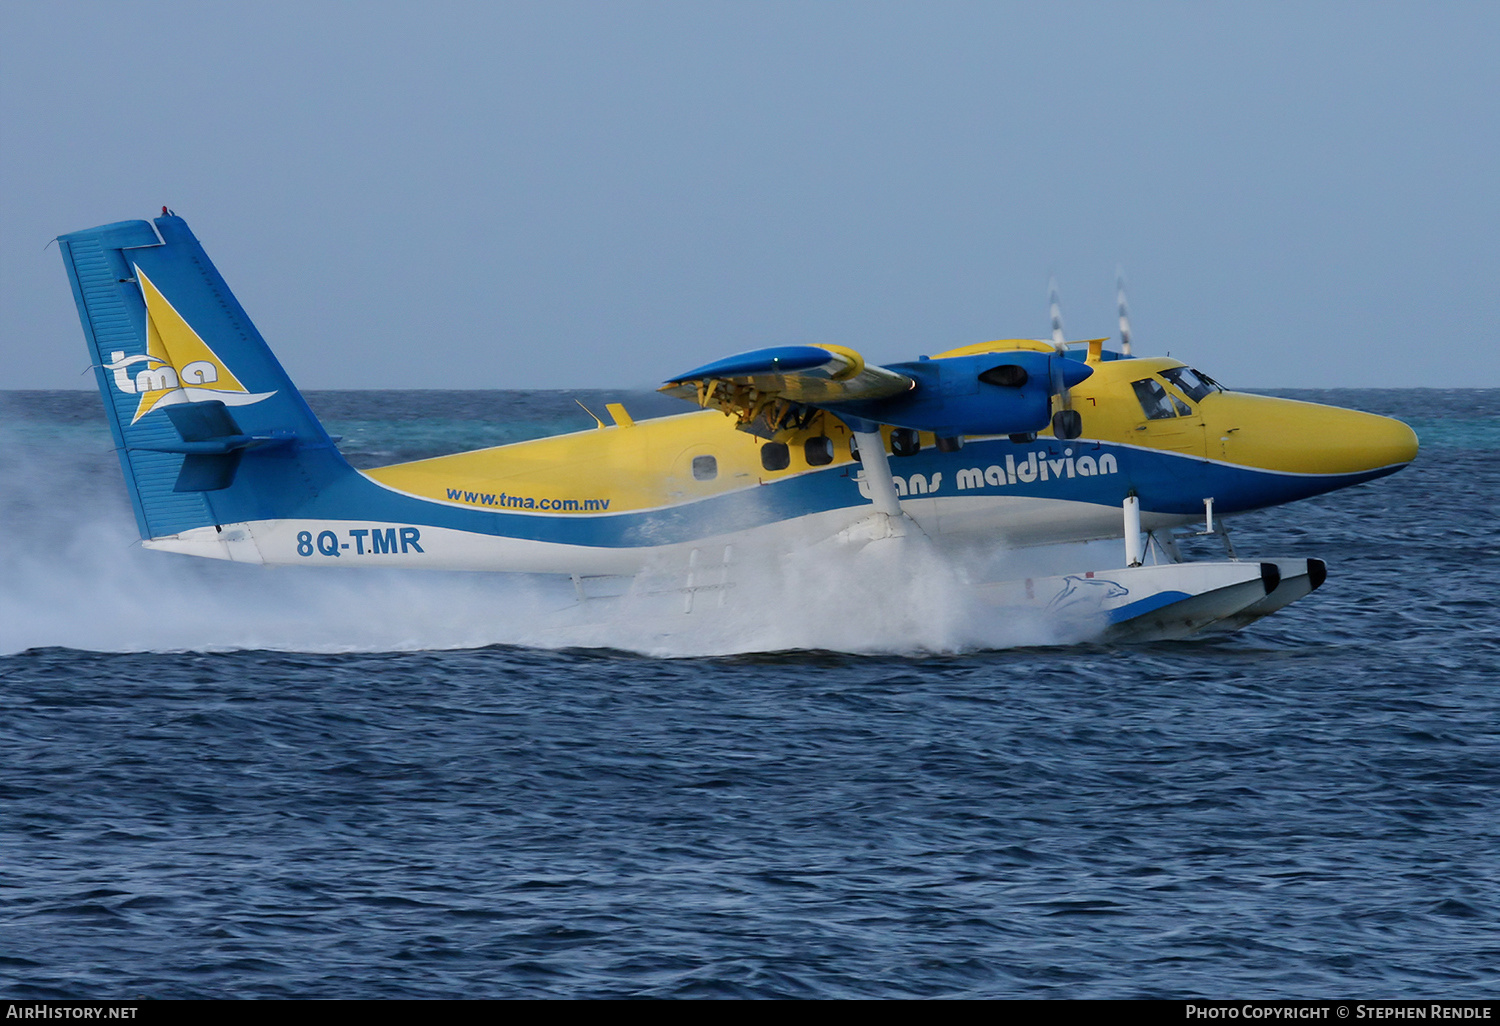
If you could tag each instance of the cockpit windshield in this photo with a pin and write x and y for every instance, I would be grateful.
(1194, 384)
(1157, 402)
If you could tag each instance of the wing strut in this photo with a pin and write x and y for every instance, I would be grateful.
(878, 472)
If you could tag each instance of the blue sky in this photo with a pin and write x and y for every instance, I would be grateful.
(556, 195)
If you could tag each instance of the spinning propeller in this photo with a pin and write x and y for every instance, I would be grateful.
(1066, 422)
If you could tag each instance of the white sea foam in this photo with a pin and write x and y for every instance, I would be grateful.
(849, 594)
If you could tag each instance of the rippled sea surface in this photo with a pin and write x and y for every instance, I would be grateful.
(228, 781)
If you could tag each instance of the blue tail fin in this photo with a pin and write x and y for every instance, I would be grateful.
(209, 428)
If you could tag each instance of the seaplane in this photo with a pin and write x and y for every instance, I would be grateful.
(1056, 478)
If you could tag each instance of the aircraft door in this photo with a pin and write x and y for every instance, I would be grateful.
(1168, 420)
(697, 470)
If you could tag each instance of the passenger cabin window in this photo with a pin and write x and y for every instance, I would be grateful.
(1156, 402)
(905, 442)
(775, 456)
(1194, 384)
(818, 451)
(705, 468)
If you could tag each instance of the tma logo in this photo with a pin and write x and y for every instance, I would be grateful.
(177, 366)
(158, 375)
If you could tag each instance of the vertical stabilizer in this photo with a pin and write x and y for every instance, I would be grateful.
(209, 428)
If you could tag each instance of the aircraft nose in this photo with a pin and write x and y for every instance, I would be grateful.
(1382, 441)
(1349, 441)
(1306, 438)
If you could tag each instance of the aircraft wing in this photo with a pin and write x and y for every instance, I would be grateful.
(748, 383)
(990, 391)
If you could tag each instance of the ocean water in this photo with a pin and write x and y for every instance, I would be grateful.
(228, 781)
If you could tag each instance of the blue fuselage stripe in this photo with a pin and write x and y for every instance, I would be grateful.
(1159, 478)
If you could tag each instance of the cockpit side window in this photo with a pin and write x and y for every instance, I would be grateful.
(1156, 402)
(1194, 384)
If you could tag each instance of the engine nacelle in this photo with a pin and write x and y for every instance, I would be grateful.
(988, 394)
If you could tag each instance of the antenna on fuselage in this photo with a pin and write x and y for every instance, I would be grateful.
(1124, 311)
(591, 413)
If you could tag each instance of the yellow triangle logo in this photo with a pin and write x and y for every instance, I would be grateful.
(181, 366)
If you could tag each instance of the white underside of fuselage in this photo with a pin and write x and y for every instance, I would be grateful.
(967, 525)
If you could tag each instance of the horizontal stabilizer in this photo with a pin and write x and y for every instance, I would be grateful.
(208, 473)
(201, 422)
(213, 444)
